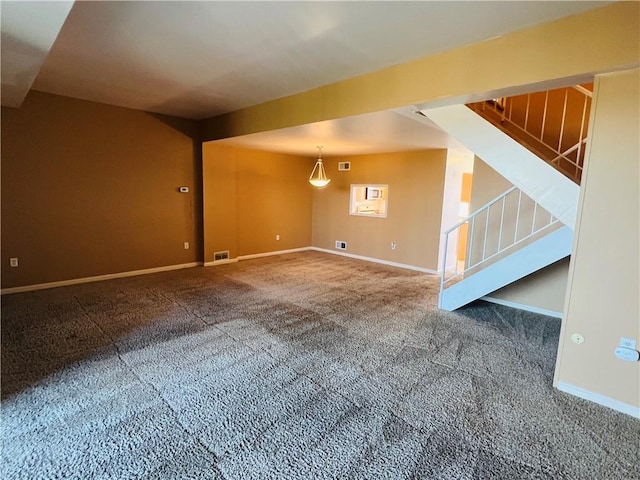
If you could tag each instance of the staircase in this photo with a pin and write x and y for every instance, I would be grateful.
(509, 238)
(530, 226)
(552, 124)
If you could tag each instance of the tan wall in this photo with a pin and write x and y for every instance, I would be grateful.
(544, 289)
(416, 183)
(487, 184)
(90, 189)
(604, 278)
(251, 196)
(600, 40)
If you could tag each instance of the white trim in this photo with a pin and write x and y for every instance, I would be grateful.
(599, 399)
(221, 262)
(376, 260)
(269, 254)
(539, 180)
(522, 306)
(255, 255)
(133, 273)
(97, 278)
(544, 251)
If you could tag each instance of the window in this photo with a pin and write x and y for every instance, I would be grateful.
(369, 200)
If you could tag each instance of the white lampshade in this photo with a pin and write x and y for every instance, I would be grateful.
(318, 177)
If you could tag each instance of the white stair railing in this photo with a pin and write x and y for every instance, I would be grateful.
(524, 114)
(491, 233)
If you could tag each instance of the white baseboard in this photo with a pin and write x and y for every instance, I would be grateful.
(522, 306)
(133, 273)
(599, 399)
(317, 249)
(220, 262)
(376, 260)
(255, 255)
(277, 252)
(97, 278)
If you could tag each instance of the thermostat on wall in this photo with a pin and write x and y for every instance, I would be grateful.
(183, 189)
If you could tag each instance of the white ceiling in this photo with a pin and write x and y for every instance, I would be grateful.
(28, 32)
(387, 131)
(200, 59)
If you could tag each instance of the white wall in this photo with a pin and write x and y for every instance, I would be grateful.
(459, 161)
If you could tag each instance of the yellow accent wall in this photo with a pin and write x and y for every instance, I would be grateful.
(416, 187)
(250, 196)
(603, 303)
(91, 189)
(575, 47)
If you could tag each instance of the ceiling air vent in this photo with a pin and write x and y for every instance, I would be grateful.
(217, 256)
(344, 166)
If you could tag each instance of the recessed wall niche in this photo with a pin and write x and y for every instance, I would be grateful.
(369, 200)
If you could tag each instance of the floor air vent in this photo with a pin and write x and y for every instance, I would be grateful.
(217, 256)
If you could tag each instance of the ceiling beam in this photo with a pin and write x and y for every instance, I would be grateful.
(597, 41)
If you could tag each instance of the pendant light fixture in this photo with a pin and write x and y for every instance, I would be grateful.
(318, 177)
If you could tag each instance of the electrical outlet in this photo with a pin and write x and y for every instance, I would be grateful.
(186, 245)
(393, 245)
(13, 262)
(627, 343)
(277, 237)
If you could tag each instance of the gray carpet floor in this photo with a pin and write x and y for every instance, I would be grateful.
(301, 366)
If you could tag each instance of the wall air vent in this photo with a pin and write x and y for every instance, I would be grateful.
(217, 256)
(344, 166)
